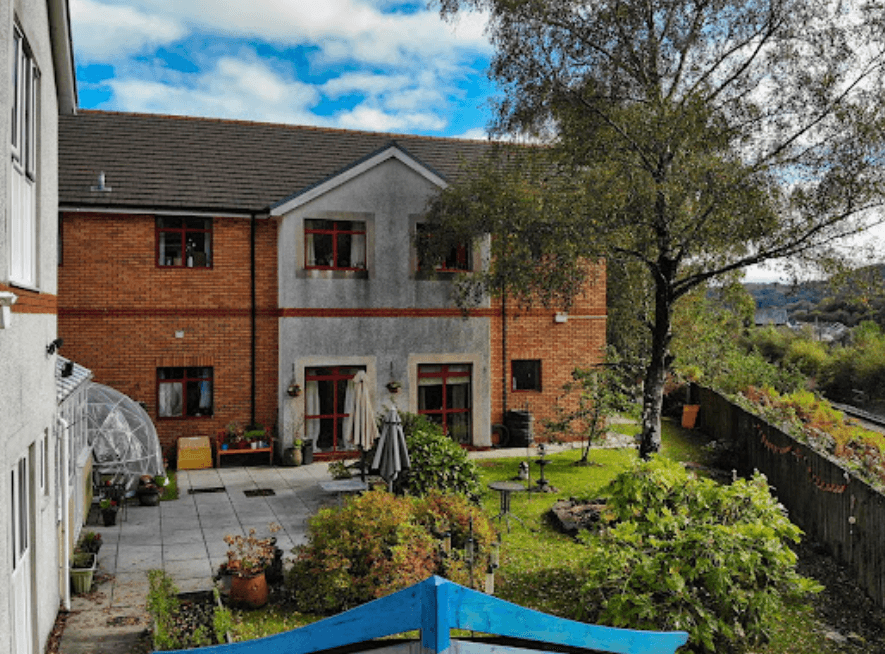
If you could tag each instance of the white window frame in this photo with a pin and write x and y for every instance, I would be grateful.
(23, 151)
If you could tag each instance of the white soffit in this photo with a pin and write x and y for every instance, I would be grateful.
(360, 167)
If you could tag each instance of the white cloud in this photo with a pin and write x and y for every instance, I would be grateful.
(235, 88)
(475, 134)
(107, 32)
(402, 68)
(375, 119)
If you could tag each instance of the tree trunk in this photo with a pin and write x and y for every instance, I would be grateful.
(656, 371)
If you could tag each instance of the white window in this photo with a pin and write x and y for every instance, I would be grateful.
(23, 148)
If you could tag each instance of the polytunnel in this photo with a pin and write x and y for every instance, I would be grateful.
(124, 441)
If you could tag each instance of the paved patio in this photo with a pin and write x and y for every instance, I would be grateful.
(184, 537)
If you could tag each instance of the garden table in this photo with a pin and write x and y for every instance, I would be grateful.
(505, 489)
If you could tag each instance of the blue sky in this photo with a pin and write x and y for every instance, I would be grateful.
(356, 64)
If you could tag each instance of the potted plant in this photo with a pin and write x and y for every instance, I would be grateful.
(149, 489)
(108, 509)
(90, 542)
(247, 559)
(82, 571)
(393, 387)
(293, 390)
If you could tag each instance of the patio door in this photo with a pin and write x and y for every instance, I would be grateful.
(20, 597)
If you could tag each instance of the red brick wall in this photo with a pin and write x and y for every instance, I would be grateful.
(533, 334)
(119, 312)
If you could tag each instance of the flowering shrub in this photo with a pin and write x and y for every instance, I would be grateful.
(380, 543)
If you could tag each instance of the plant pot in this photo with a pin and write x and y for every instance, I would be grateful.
(689, 415)
(250, 592)
(109, 516)
(148, 497)
(81, 577)
(224, 446)
(307, 452)
(292, 456)
(254, 445)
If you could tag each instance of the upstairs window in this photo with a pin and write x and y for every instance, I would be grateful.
(184, 392)
(456, 259)
(184, 242)
(335, 244)
(25, 78)
(525, 375)
(22, 232)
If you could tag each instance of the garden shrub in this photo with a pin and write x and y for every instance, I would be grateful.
(686, 553)
(437, 462)
(380, 543)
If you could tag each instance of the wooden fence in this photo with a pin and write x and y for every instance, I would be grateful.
(833, 506)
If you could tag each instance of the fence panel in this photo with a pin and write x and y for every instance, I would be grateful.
(833, 506)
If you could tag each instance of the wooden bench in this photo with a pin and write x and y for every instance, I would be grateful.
(220, 452)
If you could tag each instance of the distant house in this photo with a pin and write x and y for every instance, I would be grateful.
(38, 86)
(771, 316)
(209, 266)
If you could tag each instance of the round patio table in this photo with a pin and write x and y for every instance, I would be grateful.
(505, 489)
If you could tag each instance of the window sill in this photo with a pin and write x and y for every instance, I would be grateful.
(323, 273)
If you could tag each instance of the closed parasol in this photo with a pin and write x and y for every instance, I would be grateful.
(392, 455)
(360, 428)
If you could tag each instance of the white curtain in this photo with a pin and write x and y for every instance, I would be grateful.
(311, 251)
(358, 250)
(171, 399)
(312, 408)
(349, 409)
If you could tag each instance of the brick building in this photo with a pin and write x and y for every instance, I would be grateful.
(207, 266)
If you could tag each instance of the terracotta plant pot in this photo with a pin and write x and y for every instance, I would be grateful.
(250, 592)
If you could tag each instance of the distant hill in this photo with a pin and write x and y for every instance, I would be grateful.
(846, 301)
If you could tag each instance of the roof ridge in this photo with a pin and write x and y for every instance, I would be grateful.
(257, 123)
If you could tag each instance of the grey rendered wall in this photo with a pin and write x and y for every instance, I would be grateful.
(388, 198)
(27, 381)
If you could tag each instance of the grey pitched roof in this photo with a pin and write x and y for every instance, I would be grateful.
(64, 386)
(155, 162)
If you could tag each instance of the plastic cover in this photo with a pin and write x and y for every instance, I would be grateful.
(124, 441)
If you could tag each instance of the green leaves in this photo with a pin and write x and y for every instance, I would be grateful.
(685, 553)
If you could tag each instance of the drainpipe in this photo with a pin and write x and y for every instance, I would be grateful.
(253, 314)
(505, 382)
(64, 434)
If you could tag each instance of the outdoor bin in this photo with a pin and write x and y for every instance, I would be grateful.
(520, 424)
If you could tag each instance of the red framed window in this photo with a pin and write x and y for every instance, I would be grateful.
(444, 396)
(185, 392)
(457, 259)
(184, 242)
(328, 404)
(525, 375)
(335, 244)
